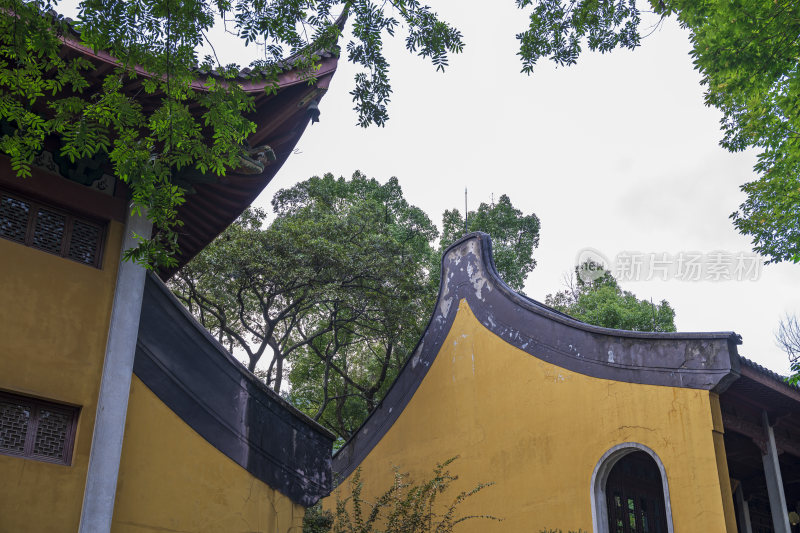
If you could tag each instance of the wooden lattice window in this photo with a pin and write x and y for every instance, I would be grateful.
(37, 429)
(50, 229)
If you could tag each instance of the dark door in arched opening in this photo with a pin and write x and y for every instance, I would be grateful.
(635, 496)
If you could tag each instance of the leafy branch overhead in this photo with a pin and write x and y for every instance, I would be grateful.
(161, 110)
(746, 52)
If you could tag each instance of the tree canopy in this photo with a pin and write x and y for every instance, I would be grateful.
(746, 52)
(514, 236)
(598, 299)
(333, 291)
(333, 288)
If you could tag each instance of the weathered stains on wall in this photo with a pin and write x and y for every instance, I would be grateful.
(171, 479)
(537, 430)
(53, 323)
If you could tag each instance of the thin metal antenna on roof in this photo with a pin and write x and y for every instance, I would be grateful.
(466, 213)
(654, 313)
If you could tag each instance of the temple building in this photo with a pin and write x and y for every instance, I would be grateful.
(118, 412)
(581, 427)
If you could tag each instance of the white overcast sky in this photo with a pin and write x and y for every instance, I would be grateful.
(617, 153)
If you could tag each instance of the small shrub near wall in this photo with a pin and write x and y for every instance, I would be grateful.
(405, 507)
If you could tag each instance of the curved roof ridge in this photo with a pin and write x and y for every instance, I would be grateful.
(155, 285)
(255, 81)
(537, 306)
(706, 361)
(215, 395)
(281, 116)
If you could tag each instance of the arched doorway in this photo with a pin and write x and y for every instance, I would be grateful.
(630, 492)
(635, 497)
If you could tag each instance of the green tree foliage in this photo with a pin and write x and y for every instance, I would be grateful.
(771, 215)
(747, 53)
(317, 520)
(335, 291)
(44, 97)
(514, 236)
(595, 297)
(336, 286)
(405, 507)
(167, 125)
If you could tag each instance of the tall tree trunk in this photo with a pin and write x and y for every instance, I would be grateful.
(278, 374)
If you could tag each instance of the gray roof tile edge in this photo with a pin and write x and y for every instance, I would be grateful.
(768, 373)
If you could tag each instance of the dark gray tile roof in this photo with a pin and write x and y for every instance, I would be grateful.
(767, 372)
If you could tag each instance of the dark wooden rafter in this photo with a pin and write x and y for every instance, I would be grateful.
(192, 220)
(288, 106)
(757, 392)
(281, 119)
(278, 142)
(219, 204)
(207, 200)
(101, 69)
(747, 427)
(190, 239)
(771, 383)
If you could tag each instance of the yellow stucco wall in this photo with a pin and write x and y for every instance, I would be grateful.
(537, 431)
(53, 327)
(171, 479)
